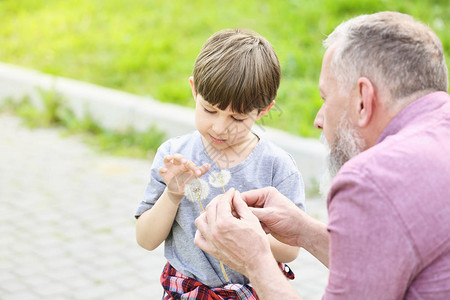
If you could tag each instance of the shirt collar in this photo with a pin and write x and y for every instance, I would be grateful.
(413, 111)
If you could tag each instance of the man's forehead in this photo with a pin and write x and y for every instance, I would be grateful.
(322, 84)
(321, 91)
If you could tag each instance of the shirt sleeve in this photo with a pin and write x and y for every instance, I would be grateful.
(156, 184)
(370, 252)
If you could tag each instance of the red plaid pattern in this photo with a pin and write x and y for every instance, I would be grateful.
(286, 271)
(179, 286)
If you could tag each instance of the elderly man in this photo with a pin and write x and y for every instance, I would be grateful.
(386, 117)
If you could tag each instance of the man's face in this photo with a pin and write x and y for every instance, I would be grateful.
(335, 101)
(334, 119)
(347, 144)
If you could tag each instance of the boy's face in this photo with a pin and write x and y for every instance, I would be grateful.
(224, 130)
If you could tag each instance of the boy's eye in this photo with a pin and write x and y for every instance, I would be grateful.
(238, 120)
(209, 111)
(213, 112)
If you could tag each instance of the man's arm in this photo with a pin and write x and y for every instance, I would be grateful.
(315, 239)
(268, 280)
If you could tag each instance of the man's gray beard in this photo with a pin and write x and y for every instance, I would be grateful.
(347, 144)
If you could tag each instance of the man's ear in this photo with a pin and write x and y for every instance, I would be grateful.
(366, 103)
(265, 110)
(194, 93)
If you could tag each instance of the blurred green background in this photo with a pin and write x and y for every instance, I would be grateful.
(148, 47)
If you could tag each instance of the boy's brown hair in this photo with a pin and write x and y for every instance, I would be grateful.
(237, 67)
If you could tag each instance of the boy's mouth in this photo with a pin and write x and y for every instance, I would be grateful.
(216, 141)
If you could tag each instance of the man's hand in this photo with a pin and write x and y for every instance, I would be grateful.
(178, 171)
(286, 222)
(229, 231)
(278, 215)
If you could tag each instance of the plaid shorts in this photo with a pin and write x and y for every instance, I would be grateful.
(179, 286)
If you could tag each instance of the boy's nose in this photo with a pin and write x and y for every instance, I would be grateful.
(318, 121)
(220, 126)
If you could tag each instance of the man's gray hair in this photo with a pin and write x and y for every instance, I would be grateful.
(392, 50)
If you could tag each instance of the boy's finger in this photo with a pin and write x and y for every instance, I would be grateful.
(204, 168)
(190, 165)
(198, 171)
(162, 170)
(168, 159)
(178, 159)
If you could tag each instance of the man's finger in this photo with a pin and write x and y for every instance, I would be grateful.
(202, 224)
(201, 242)
(261, 214)
(241, 207)
(255, 198)
(209, 246)
(203, 237)
(222, 204)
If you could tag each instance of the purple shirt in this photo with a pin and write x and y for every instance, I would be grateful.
(389, 211)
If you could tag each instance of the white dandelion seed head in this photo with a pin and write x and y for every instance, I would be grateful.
(197, 189)
(219, 179)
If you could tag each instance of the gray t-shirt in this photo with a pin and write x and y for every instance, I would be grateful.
(267, 165)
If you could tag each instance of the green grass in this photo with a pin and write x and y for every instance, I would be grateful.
(148, 47)
(54, 112)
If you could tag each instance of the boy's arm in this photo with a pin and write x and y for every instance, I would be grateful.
(153, 226)
(282, 252)
(293, 188)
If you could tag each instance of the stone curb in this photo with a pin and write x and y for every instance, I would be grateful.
(118, 110)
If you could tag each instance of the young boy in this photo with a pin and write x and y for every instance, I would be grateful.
(235, 80)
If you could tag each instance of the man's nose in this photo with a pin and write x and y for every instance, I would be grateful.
(318, 121)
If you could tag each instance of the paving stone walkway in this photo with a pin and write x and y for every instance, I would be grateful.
(67, 226)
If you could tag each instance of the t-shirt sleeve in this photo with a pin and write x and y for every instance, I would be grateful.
(156, 184)
(370, 252)
(290, 183)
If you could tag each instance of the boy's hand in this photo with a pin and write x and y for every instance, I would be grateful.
(178, 171)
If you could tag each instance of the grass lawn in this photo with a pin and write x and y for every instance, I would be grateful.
(148, 47)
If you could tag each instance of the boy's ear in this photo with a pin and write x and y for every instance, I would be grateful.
(194, 93)
(265, 110)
